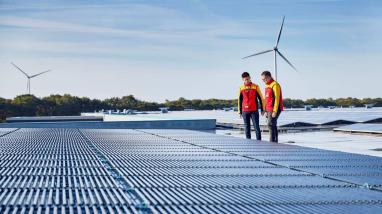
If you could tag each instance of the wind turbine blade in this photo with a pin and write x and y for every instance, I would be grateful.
(20, 70)
(40, 73)
(282, 56)
(281, 29)
(263, 52)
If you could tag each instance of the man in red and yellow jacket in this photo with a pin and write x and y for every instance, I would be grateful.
(250, 101)
(273, 104)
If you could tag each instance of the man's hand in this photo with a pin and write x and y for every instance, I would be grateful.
(274, 114)
(241, 116)
(262, 113)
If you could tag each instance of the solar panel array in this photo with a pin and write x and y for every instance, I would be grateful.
(55, 171)
(178, 171)
(362, 128)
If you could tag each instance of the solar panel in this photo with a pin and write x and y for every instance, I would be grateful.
(364, 128)
(330, 164)
(177, 171)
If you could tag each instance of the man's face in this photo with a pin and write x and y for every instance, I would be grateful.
(265, 78)
(247, 80)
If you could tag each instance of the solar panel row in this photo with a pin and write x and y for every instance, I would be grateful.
(170, 167)
(177, 171)
(54, 171)
(362, 128)
(360, 169)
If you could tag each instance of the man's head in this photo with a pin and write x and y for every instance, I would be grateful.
(266, 76)
(246, 77)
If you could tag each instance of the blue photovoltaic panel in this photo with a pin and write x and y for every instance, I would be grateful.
(52, 171)
(178, 171)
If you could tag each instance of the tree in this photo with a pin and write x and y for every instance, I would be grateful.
(59, 105)
(25, 105)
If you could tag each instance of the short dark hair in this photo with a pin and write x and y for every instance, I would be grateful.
(266, 73)
(244, 74)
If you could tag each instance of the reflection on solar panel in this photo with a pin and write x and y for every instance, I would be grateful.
(363, 128)
(178, 171)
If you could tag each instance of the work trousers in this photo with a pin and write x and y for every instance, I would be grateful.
(247, 117)
(272, 127)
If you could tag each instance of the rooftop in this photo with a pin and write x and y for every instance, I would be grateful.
(287, 118)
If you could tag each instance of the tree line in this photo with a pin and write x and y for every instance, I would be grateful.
(60, 105)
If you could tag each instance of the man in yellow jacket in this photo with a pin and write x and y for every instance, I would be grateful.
(249, 102)
(273, 104)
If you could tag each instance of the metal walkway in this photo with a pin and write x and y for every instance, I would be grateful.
(178, 171)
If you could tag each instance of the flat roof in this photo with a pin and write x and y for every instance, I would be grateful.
(193, 124)
(314, 117)
(53, 118)
(178, 171)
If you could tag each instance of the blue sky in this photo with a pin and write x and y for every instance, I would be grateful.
(159, 50)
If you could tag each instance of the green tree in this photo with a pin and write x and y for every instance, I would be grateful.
(26, 105)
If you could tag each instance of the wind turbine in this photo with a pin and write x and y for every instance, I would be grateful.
(29, 77)
(276, 51)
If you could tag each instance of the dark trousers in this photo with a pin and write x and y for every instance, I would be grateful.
(272, 127)
(247, 116)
